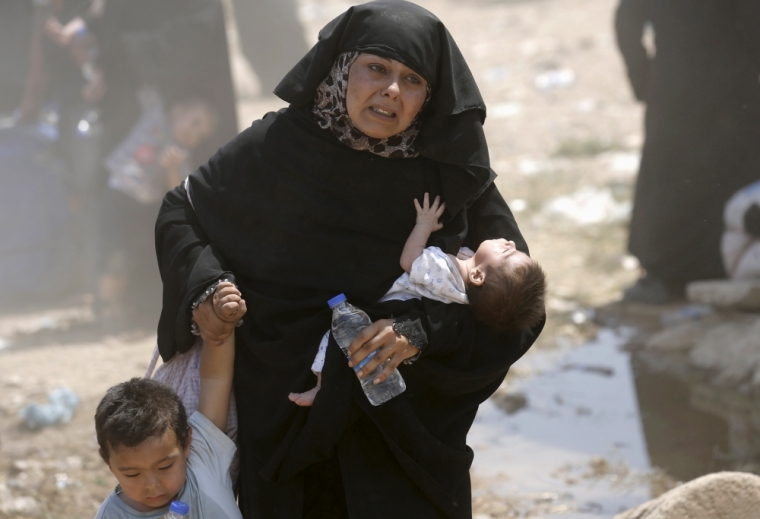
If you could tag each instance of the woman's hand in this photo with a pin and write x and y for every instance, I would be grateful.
(389, 345)
(215, 330)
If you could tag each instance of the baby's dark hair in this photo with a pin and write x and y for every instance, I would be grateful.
(510, 298)
(133, 411)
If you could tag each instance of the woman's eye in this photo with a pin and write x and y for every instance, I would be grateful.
(166, 467)
(377, 68)
(414, 79)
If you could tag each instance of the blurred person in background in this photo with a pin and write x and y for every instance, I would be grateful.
(702, 132)
(15, 38)
(271, 38)
(177, 49)
(85, 62)
(47, 164)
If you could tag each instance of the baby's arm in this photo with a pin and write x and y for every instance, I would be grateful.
(217, 363)
(427, 223)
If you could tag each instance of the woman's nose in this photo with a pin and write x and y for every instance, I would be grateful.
(392, 90)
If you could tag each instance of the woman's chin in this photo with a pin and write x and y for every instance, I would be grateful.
(378, 128)
(377, 133)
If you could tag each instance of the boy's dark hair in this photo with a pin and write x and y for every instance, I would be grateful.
(133, 411)
(510, 299)
(183, 103)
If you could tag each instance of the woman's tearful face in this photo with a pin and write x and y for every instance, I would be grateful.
(383, 96)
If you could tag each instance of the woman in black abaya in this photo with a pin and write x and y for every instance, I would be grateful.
(702, 130)
(316, 200)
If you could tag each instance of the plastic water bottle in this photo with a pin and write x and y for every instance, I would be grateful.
(347, 322)
(177, 510)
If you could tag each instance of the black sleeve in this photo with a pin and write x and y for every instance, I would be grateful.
(188, 264)
(630, 18)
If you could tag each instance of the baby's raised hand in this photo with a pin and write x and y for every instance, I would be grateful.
(427, 214)
(229, 304)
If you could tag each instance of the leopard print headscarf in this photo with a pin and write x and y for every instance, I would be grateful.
(331, 113)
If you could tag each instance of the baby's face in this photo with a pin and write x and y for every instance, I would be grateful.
(152, 473)
(499, 253)
(191, 125)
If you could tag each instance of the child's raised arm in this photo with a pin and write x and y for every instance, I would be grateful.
(217, 363)
(427, 223)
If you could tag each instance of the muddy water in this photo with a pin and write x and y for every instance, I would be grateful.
(596, 436)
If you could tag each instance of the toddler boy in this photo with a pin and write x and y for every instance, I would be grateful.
(158, 455)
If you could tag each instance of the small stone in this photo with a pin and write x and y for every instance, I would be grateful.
(13, 381)
(718, 495)
(733, 349)
(677, 338)
(510, 402)
(740, 294)
(24, 506)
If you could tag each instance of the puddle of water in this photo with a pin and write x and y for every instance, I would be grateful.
(580, 439)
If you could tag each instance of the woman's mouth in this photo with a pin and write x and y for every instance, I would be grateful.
(384, 113)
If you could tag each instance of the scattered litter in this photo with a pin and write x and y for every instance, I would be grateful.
(63, 481)
(46, 323)
(504, 110)
(59, 409)
(589, 206)
(495, 74)
(629, 262)
(685, 313)
(597, 370)
(586, 105)
(518, 205)
(583, 315)
(561, 305)
(530, 167)
(622, 162)
(25, 506)
(560, 78)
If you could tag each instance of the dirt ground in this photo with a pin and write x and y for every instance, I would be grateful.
(564, 134)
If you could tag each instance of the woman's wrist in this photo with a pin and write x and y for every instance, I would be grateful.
(412, 331)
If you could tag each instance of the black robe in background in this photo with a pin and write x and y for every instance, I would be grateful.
(702, 127)
(16, 27)
(177, 46)
(296, 217)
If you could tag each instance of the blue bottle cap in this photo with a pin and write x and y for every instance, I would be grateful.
(336, 300)
(178, 507)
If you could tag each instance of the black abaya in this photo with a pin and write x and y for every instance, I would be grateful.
(296, 217)
(702, 127)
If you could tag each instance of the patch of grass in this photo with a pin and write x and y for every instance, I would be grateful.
(576, 148)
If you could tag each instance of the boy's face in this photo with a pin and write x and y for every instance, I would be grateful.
(191, 125)
(495, 253)
(152, 473)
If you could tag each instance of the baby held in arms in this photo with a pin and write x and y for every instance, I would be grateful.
(504, 286)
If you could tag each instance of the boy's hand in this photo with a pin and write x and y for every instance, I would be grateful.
(428, 215)
(172, 157)
(228, 302)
